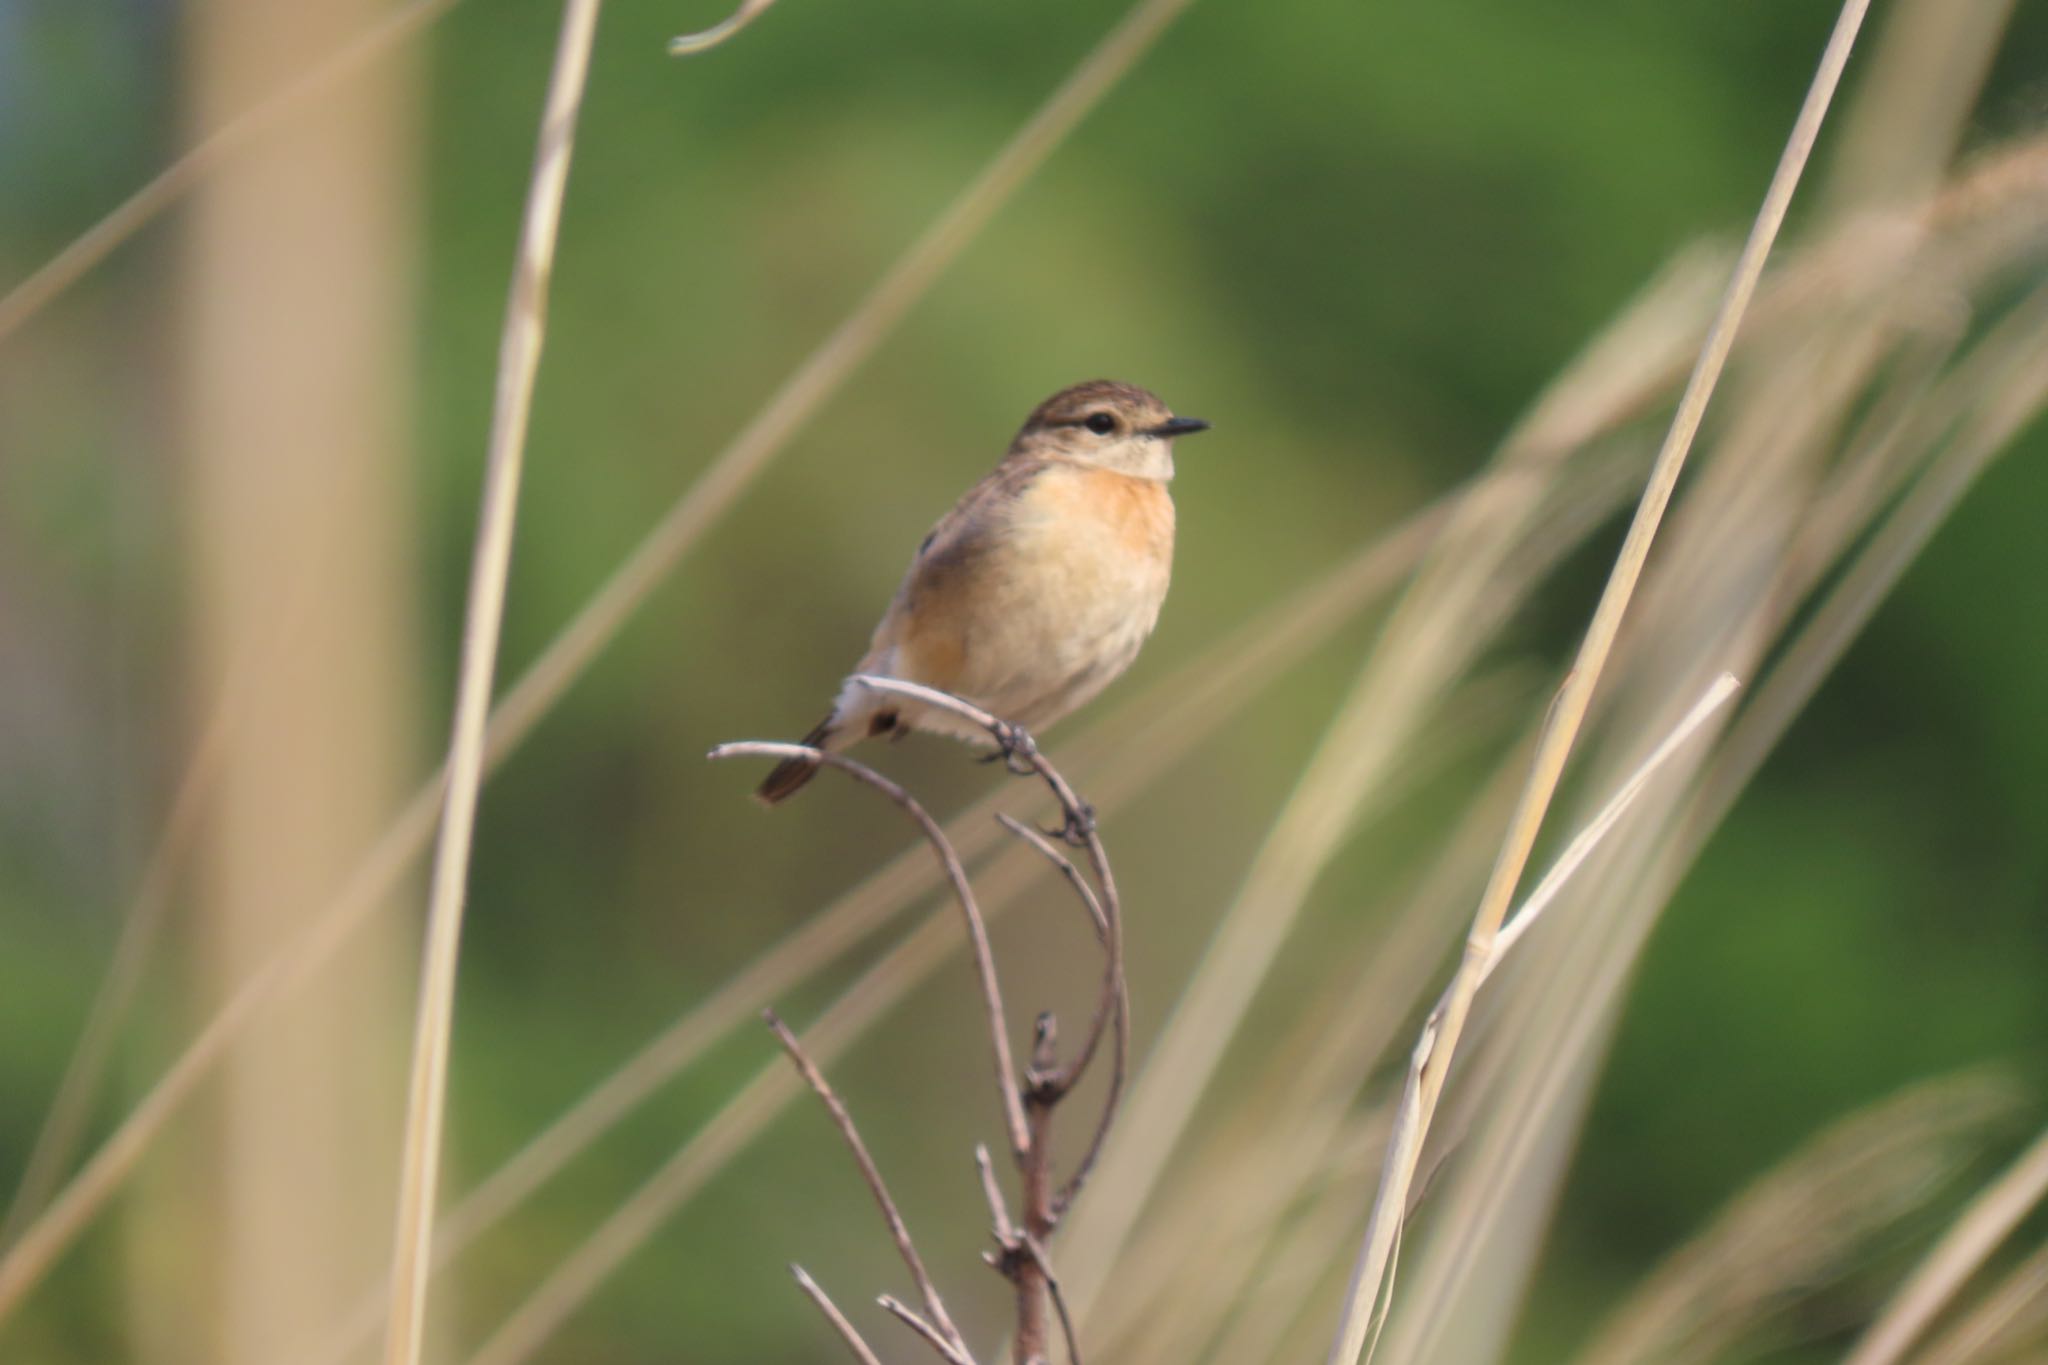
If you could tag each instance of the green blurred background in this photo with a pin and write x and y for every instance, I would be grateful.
(1358, 238)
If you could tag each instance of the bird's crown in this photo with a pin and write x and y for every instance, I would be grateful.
(1103, 422)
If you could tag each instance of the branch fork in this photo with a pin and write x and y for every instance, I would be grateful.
(1030, 1095)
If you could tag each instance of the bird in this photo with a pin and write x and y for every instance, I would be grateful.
(1035, 590)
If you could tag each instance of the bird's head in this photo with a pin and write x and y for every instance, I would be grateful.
(1115, 426)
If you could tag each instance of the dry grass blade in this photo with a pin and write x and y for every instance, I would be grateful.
(1411, 1114)
(1588, 839)
(63, 1127)
(1249, 1170)
(2001, 388)
(1485, 1241)
(1988, 1220)
(1568, 713)
(2017, 1306)
(1296, 1262)
(1799, 1226)
(518, 364)
(129, 217)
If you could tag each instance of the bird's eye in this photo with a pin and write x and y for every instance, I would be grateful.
(1101, 423)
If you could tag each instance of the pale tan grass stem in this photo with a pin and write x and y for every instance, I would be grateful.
(1960, 1253)
(1301, 1257)
(1376, 1257)
(1257, 1165)
(2016, 1307)
(1410, 1121)
(1798, 1227)
(518, 364)
(1925, 73)
(2001, 387)
(1516, 1125)
(63, 1127)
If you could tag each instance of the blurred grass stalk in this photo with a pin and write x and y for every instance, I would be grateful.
(1805, 1224)
(1958, 1256)
(1722, 596)
(519, 352)
(294, 401)
(1373, 1281)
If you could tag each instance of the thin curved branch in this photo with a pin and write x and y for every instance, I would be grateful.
(1036, 1250)
(955, 1353)
(1112, 1103)
(940, 1323)
(1080, 825)
(977, 930)
(862, 1352)
(1064, 1079)
(1034, 1094)
(1114, 1005)
(1066, 867)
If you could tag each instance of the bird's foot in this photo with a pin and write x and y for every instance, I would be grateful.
(1015, 749)
(1078, 829)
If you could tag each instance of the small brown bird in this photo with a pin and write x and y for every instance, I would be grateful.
(1037, 589)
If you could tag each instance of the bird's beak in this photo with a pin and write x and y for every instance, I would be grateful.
(1177, 426)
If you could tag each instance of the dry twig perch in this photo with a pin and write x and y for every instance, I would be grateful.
(1030, 1095)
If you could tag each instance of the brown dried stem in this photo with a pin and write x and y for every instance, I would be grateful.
(977, 928)
(932, 1335)
(1030, 1097)
(1079, 829)
(847, 1333)
(941, 1322)
(1113, 993)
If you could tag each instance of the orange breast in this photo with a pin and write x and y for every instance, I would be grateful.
(1137, 512)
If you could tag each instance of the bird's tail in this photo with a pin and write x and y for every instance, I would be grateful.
(788, 777)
